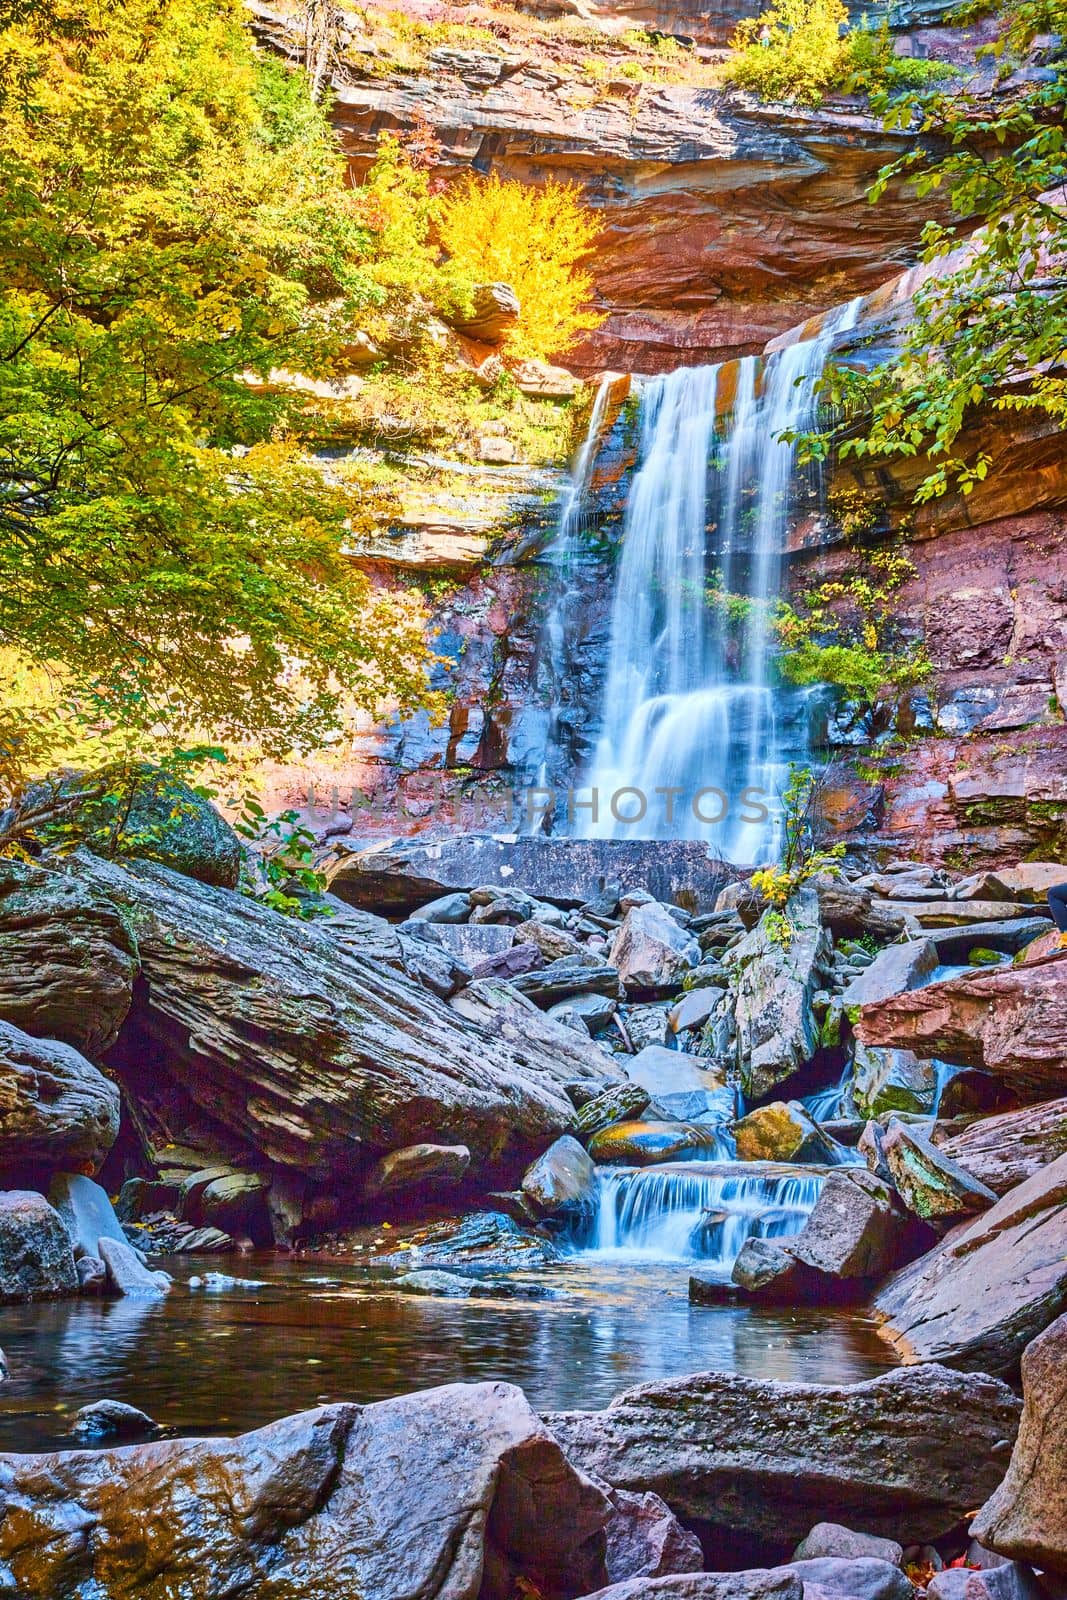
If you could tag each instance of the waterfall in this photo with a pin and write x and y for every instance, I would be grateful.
(698, 1211)
(691, 740)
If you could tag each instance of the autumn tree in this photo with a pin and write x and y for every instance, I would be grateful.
(538, 240)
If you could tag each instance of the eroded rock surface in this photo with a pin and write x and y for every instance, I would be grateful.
(56, 1108)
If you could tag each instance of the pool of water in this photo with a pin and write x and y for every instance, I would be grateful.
(322, 1331)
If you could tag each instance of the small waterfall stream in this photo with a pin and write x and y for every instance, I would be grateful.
(691, 719)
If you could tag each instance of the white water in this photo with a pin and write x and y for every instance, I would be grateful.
(695, 1212)
(686, 706)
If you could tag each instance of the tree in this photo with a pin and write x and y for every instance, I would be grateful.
(989, 326)
(177, 236)
(796, 50)
(537, 240)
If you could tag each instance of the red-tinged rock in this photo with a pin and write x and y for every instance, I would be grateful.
(1003, 1151)
(1010, 1023)
(1026, 1518)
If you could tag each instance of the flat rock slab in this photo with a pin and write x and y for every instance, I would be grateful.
(568, 871)
(990, 1287)
(1009, 937)
(1005, 1150)
(758, 1583)
(452, 1494)
(917, 1446)
(1010, 1022)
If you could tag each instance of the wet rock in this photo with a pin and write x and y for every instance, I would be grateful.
(87, 1213)
(856, 1229)
(781, 1131)
(990, 1286)
(447, 908)
(650, 950)
(614, 1105)
(892, 1080)
(1026, 1517)
(36, 1260)
(929, 1182)
(457, 1491)
(844, 1544)
(486, 1241)
(1007, 1022)
(562, 980)
(418, 1166)
(319, 1058)
(775, 983)
(127, 1276)
(645, 1538)
(222, 1283)
(646, 1025)
(563, 1179)
(1005, 1150)
(441, 1285)
(67, 958)
(681, 1086)
(5, 1370)
(870, 1147)
(750, 1456)
(863, 1578)
(765, 1270)
(112, 1419)
(56, 1108)
(894, 970)
(92, 1275)
(643, 1144)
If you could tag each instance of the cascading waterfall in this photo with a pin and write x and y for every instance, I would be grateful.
(690, 726)
(694, 1212)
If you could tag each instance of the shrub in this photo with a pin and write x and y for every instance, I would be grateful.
(795, 51)
(534, 239)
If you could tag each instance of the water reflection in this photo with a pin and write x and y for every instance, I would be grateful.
(220, 1363)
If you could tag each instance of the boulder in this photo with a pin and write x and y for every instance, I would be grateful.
(1029, 882)
(87, 1213)
(236, 1203)
(492, 904)
(749, 1456)
(513, 963)
(92, 1275)
(614, 1105)
(555, 944)
(56, 1108)
(990, 1286)
(860, 1578)
(36, 1260)
(681, 1087)
(644, 1144)
(856, 1229)
(765, 1270)
(595, 1010)
(1026, 1517)
(844, 1544)
(474, 942)
(317, 1057)
(447, 908)
(112, 1419)
(758, 1583)
(645, 1538)
(418, 1167)
(67, 958)
(780, 1131)
(892, 1080)
(127, 1276)
(457, 1491)
(929, 1182)
(151, 814)
(1007, 1582)
(563, 1179)
(775, 981)
(491, 312)
(1009, 1022)
(955, 944)
(646, 1025)
(851, 912)
(651, 952)
(541, 381)
(1005, 1150)
(562, 980)
(694, 1009)
(894, 970)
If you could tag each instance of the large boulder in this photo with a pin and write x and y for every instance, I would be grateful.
(781, 1131)
(1026, 1518)
(894, 970)
(418, 1168)
(67, 957)
(892, 1080)
(1005, 1150)
(856, 1229)
(1009, 1022)
(774, 975)
(318, 1057)
(759, 1583)
(87, 1213)
(563, 1179)
(930, 1183)
(36, 1259)
(56, 1108)
(456, 1493)
(990, 1287)
(767, 1460)
(644, 1144)
(680, 1085)
(152, 814)
(651, 951)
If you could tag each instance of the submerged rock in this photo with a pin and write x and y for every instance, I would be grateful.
(990, 1286)
(58, 1110)
(112, 1419)
(36, 1259)
(765, 1459)
(453, 1491)
(1026, 1518)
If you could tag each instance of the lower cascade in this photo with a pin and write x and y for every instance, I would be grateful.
(695, 1211)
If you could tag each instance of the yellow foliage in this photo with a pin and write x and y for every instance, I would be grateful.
(796, 50)
(537, 241)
